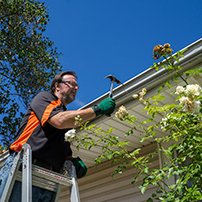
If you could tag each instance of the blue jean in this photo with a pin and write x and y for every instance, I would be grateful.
(38, 194)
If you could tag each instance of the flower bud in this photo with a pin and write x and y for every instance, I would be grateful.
(135, 96)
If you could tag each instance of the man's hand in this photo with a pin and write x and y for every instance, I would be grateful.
(69, 158)
(107, 106)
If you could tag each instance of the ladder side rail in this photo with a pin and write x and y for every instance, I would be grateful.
(11, 178)
(57, 195)
(27, 174)
(74, 189)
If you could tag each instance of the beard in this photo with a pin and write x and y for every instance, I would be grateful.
(69, 98)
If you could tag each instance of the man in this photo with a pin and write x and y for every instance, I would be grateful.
(44, 125)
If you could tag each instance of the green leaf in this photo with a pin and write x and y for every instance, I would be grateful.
(146, 169)
(110, 156)
(143, 189)
(136, 151)
(168, 84)
(172, 186)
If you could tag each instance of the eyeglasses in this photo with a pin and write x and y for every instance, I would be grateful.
(72, 84)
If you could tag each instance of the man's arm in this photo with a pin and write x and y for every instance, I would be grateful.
(66, 119)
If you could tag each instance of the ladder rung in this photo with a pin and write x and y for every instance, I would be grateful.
(40, 182)
(56, 177)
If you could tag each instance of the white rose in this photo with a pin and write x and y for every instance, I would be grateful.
(193, 89)
(183, 100)
(70, 135)
(190, 105)
(119, 116)
(179, 90)
(121, 113)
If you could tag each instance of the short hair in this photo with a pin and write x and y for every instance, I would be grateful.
(58, 78)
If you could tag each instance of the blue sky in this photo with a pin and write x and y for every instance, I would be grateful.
(101, 37)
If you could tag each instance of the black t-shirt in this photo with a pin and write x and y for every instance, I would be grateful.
(47, 142)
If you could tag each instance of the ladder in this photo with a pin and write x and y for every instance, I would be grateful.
(40, 177)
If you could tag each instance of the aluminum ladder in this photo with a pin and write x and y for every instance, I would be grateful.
(39, 177)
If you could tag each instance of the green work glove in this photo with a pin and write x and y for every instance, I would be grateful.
(107, 106)
(80, 167)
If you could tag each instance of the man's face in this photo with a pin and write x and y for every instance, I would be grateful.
(67, 90)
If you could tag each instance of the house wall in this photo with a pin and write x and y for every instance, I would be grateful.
(98, 185)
